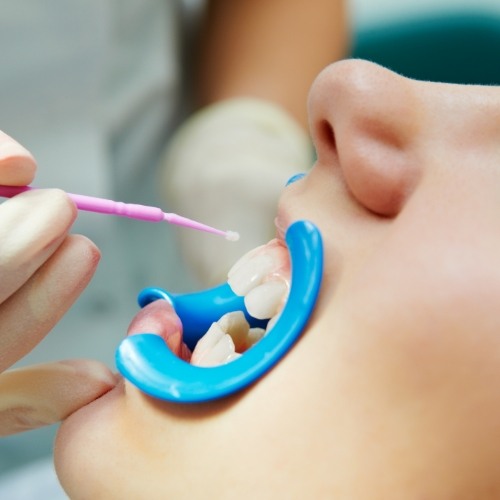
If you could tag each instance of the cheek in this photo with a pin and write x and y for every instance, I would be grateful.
(422, 355)
(421, 324)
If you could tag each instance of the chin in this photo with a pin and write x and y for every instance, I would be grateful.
(84, 443)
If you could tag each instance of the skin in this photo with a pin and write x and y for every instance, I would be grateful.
(392, 391)
(43, 270)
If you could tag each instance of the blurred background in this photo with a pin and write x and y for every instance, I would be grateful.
(446, 40)
(440, 40)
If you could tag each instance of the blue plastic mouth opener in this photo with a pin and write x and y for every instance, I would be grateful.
(148, 363)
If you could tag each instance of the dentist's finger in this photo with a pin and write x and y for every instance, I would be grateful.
(32, 226)
(47, 393)
(27, 316)
(17, 165)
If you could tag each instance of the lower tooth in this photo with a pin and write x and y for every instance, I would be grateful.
(218, 354)
(272, 322)
(236, 325)
(213, 335)
(226, 339)
(206, 343)
(254, 335)
(233, 356)
(222, 340)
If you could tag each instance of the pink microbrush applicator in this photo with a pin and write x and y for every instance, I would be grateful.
(131, 210)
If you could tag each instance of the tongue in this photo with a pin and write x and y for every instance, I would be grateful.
(159, 318)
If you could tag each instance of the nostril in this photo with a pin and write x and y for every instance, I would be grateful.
(327, 134)
(324, 139)
(367, 120)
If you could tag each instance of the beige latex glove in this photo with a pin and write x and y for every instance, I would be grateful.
(226, 167)
(42, 272)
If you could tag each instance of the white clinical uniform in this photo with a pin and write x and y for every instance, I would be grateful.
(92, 89)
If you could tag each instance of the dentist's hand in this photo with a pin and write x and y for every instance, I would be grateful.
(226, 166)
(42, 272)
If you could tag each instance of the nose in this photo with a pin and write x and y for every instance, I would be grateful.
(365, 119)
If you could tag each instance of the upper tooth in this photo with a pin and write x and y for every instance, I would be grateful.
(265, 300)
(244, 259)
(251, 274)
(254, 267)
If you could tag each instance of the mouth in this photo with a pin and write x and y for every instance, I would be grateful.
(277, 283)
(262, 278)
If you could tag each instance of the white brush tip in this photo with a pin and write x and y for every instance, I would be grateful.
(232, 236)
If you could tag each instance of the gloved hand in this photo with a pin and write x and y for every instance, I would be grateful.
(42, 272)
(226, 167)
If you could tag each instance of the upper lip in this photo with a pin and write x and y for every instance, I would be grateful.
(281, 223)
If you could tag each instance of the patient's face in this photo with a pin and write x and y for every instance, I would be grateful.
(393, 391)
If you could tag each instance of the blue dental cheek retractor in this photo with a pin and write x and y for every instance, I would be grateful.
(147, 362)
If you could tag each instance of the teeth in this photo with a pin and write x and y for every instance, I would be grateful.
(264, 301)
(257, 265)
(224, 341)
(243, 260)
(250, 275)
(254, 335)
(262, 276)
(237, 327)
(215, 348)
(222, 352)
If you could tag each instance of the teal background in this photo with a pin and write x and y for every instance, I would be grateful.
(462, 47)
